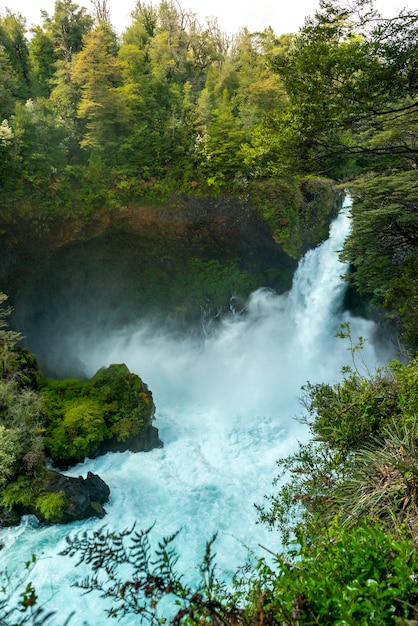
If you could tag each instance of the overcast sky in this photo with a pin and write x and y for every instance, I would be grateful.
(283, 15)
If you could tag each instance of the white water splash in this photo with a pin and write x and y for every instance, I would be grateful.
(225, 411)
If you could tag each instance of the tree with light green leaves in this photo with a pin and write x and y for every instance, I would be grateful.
(351, 79)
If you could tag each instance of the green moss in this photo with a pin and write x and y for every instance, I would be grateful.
(122, 394)
(320, 199)
(51, 506)
(278, 201)
(81, 415)
(19, 492)
(79, 432)
(298, 211)
(126, 428)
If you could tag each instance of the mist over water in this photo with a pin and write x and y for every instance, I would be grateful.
(226, 405)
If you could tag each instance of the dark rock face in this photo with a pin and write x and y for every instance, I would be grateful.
(84, 496)
(147, 440)
(107, 273)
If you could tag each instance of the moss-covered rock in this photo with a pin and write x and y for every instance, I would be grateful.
(66, 420)
(298, 211)
(321, 200)
(111, 411)
(69, 420)
(54, 498)
(65, 499)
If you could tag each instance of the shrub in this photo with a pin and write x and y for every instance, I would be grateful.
(350, 577)
(51, 506)
(79, 432)
(20, 492)
(9, 452)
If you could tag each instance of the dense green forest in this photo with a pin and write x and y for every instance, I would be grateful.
(92, 122)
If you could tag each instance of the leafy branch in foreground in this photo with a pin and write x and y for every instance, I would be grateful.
(150, 578)
(351, 577)
(19, 605)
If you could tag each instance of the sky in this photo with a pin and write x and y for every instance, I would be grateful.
(283, 15)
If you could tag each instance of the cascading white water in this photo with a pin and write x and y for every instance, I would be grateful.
(225, 409)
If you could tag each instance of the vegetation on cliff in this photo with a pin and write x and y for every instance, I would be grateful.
(92, 123)
(64, 421)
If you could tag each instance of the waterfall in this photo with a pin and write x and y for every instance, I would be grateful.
(225, 410)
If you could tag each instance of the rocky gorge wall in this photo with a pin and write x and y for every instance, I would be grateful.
(111, 269)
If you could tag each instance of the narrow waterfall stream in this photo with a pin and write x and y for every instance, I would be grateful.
(225, 410)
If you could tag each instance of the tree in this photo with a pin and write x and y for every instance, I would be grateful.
(14, 42)
(98, 73)
(21, 448)
(43, 59)
(40, 143)
(8, 85)
(384, 233)
(67, 27)
(356, 117)
(220, 143)
(7, 337)
(362, 88)
(102, 12)
(141, 150)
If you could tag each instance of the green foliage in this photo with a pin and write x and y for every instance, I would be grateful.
(21, 492)
(362, 459)
(67, 27)
(402, 302)
(97, 71)
(343, 576)
(81, 415)
(7, 337)
(43, 59)
(15, 45)
(37, 155)
(353, 577)
(383, 481)
(383, 233)
(51, 505)
(21, 448)
(79, 432)
(10, 453)
(351, 110)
